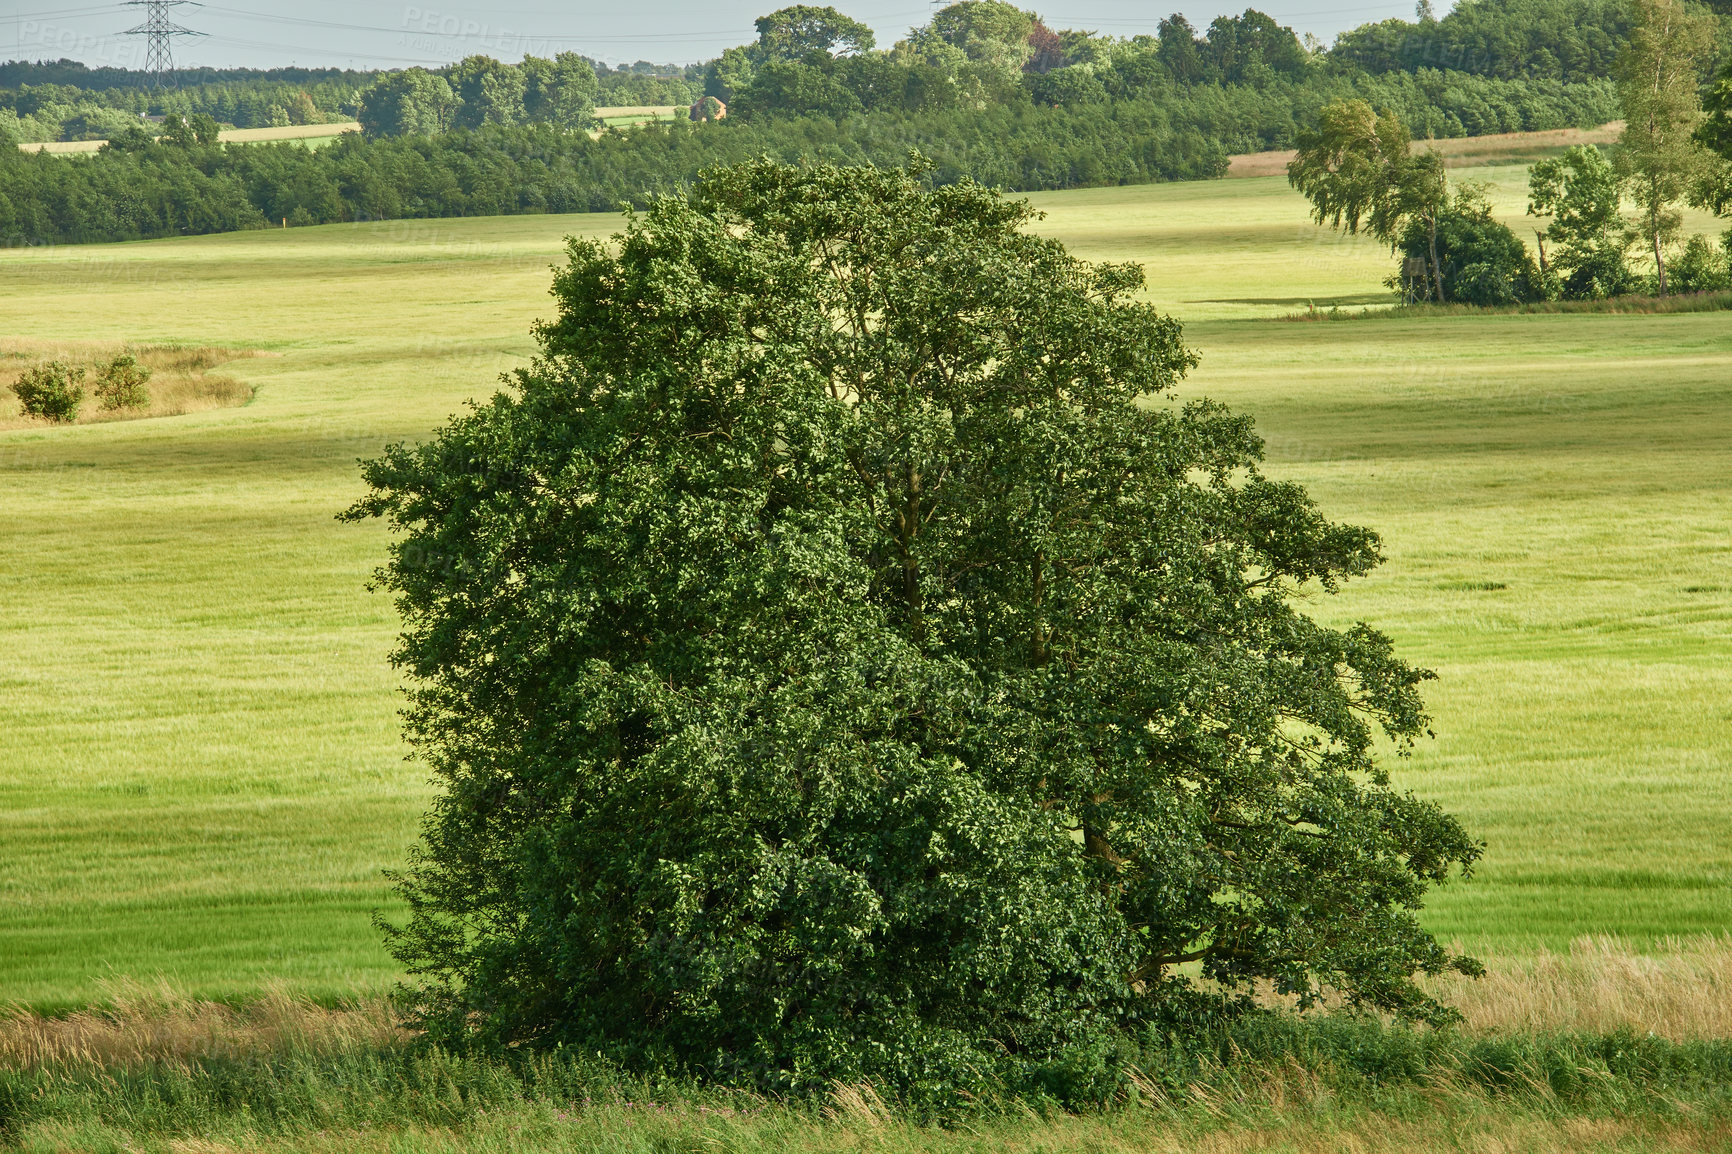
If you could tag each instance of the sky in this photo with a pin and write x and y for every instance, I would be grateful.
(392, 34)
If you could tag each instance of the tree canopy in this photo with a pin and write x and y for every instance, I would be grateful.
(1658, 152)
(1357, 168)
(841, 655)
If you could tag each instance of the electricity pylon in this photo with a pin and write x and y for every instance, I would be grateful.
(159, 33)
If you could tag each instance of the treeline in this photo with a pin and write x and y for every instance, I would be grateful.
(39, 112)
(140, 188)
(65, 100)
(817, 61)
(164, 189)
(1551, 39)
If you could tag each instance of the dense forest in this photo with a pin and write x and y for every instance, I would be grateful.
(984, 89)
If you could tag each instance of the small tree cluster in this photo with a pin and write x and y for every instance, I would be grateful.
(52, 391)
(120, 384)
(1479, 260)
(1359, 171)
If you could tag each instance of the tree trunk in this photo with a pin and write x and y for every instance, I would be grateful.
(1436, 265)
(1659, 259)
(907, 529)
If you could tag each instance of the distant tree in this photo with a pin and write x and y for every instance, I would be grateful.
(203, 128)
(797, 87)
(1658, 153)
(1579, 194)
(132, 138)
(413, 102)
(177, 132)
(1181, 53)
(1078, 46)
(843, 656)
(1357, 170)
(1575, 40)
(1068, 87)
(993, 37)
(560, 92)
(731, 73)
(1418, 196)
(121, 384)
(1252, 47)
(796, 32)
(302, 110)
(488, 92)
(1045, 50)
(51, 391)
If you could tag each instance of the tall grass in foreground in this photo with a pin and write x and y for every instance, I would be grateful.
(1599, 1049)
(1681, 991)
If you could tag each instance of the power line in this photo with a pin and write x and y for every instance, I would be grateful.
(159, 33)
(460, 35)
(64, 12)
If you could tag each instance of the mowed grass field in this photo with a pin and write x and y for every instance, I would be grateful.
(200, 774)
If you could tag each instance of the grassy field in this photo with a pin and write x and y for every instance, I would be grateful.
(625, 115)
(200, 775)
(309, 135)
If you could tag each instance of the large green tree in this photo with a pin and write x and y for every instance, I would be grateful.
(413, 102)
(841, 655)
(1578, 195)
(560, 91)
(798, 31)
(488, 92)
(1658, 151)
(1358, 170)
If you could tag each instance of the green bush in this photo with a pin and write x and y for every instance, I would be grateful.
(120, 384)
(1483, 262)
(51, 391)
(1699, 268)
(1599, 273)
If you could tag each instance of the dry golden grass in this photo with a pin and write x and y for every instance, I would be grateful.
(614, 111)
(287, 132)
(181, 380)
(1458, 152)
(1679, 992)
(1600, 986)
(1372, 1134)
(137, 1023)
